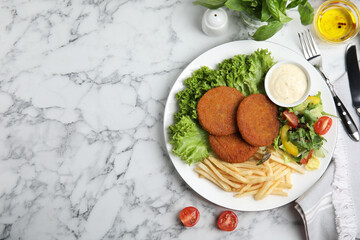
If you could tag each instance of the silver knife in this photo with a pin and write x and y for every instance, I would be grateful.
(353, 71)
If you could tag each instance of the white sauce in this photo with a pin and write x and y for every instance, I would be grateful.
(288, 83)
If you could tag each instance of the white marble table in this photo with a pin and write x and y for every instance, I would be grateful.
(83, 86)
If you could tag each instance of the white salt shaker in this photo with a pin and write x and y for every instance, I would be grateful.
(214, 22)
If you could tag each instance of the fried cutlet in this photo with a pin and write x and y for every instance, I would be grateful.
(217, 108)
(231, 148)
(257, 119)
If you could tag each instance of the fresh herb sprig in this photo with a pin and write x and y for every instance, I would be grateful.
(273, 12)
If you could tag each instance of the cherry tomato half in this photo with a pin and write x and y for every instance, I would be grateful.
(323, 125)
(305, 160)
(189, 216)
(227, 221)
(293, 120)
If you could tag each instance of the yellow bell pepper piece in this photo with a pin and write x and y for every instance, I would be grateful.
(289, 146)
(314, 99)
(313, 163)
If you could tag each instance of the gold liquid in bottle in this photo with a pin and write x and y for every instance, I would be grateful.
(336, 22)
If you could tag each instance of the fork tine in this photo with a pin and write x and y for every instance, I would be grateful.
(307, 45)
(317, 51)
(303, 47)
(310, 44)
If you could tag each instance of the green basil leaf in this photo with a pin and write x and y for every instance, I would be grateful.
(282, 6)
(251, 3)
(236, 5)
(267, 31)
(265, 13)
(274, 9)
(295, 3)
(306, 13)
(212, 4)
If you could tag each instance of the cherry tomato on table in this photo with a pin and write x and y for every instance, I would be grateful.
(293, 120)
(227, 221)
(189, 216)
(323, 125)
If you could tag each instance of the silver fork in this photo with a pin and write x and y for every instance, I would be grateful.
(313, 55)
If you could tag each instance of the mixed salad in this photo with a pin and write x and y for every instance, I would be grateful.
(301, 130)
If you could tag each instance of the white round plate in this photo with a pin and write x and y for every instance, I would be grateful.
(208, 190)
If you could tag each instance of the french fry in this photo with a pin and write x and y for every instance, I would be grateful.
(285, 185)
(271, 188)
(292, 165)
(269, 169)
(276, 166)
(255, 186)
(257, 179)
(259, 173)
(235, 169)
(204, 174)
(279, 170)
(259, 195)
(282, 173)
(219, 175)
(288, 178)
(229, 165)
(231, 178)
(271, 177)
(246, 187)
(246, 194)
(224, 186)
(279, 192)
(218, 164)
(276, 157)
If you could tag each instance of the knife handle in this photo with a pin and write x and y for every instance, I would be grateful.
(346, 119)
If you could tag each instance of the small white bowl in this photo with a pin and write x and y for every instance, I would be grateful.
(269, 93)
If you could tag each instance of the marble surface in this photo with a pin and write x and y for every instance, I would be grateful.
(83, 85)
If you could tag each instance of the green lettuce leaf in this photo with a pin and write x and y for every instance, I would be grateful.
(189, 140)
(246, 72)
(232, 71)
(258, 64)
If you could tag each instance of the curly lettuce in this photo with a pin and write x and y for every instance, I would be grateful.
(189, 140)
(246, 73)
